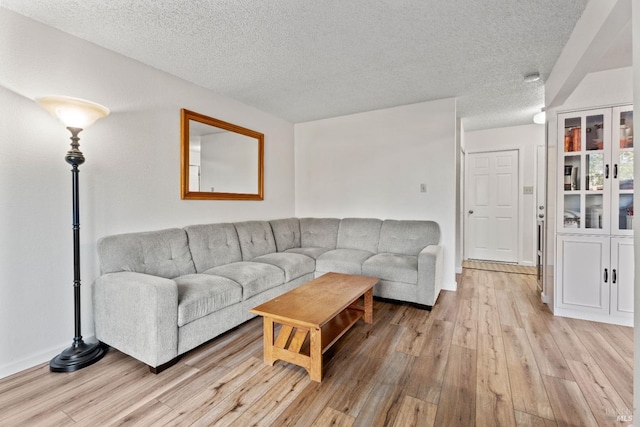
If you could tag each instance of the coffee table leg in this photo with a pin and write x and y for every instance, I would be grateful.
(315, 373)
(368, 306)
(268, 341)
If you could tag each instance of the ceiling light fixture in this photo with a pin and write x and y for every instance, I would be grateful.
(540, 118)
(533, 77)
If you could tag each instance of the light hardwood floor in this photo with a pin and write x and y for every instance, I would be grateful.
(488, 354)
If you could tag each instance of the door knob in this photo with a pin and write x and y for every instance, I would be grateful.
(541, 207)
(470, 211)
(540, 215)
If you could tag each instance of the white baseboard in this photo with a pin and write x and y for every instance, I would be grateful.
(545, 298)
(36, 359)
(450, 286)
(30, 361)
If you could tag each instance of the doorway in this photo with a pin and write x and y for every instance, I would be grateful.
(492, 206)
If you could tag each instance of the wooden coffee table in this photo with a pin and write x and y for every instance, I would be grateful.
(313, 317)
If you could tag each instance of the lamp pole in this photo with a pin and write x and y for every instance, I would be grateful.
(80, 354)
(75, 158)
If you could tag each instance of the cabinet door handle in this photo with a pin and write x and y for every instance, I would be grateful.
(606, 275)
(614, 276)
(615, 171)
(606, 171)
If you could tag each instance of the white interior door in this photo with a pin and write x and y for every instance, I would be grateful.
(492, 206)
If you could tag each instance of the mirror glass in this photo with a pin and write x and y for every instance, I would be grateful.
(220, 160)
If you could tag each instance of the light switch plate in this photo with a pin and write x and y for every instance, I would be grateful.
(527, 189)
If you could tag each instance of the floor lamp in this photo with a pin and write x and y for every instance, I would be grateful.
(76, 114)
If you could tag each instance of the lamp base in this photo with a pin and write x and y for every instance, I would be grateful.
(78, 356)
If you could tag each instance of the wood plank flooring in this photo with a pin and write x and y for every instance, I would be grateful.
(490, 354)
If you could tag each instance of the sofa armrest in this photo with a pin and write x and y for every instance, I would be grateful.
(137, 314)
(429, 274)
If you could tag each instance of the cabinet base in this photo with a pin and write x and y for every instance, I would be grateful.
(594, 317)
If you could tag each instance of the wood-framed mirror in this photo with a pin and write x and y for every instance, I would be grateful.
(219, 160)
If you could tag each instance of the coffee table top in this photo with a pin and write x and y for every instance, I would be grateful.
(318, 301)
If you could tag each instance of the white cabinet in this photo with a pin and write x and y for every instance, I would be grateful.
(622, 172)
(595, 167)
(584, 166)
(622, 277)
(594, 274)
(583, 269)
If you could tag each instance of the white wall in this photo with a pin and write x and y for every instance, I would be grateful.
(372, 164)
(130, 181)
(525, 139)
(600, 89)
(460, 165)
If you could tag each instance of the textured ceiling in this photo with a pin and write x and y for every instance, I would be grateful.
(304, 60)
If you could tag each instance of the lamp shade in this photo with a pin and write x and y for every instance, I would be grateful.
(73, 112)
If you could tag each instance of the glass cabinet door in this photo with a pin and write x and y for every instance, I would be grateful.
(584, 142)
(622, 159)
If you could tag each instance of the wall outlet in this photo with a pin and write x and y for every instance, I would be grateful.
(527, 189)
(423, 188)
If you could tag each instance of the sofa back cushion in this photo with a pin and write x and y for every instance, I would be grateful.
(213, 245)
(359, 233)
(163, 253)
(286, 233)
(319, 232)
(256, 238)
(407, 237)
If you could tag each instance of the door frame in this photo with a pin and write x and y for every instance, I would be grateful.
(519, 148)
(540, 195)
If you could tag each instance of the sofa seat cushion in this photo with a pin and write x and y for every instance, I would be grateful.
(310, 252)
(203, 294)
(254, 277)
(392, 267)
(294, 265)
(348, 261)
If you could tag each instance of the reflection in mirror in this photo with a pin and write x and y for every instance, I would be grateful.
(220, 161)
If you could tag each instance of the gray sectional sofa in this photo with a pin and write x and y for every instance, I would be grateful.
(162, 293)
